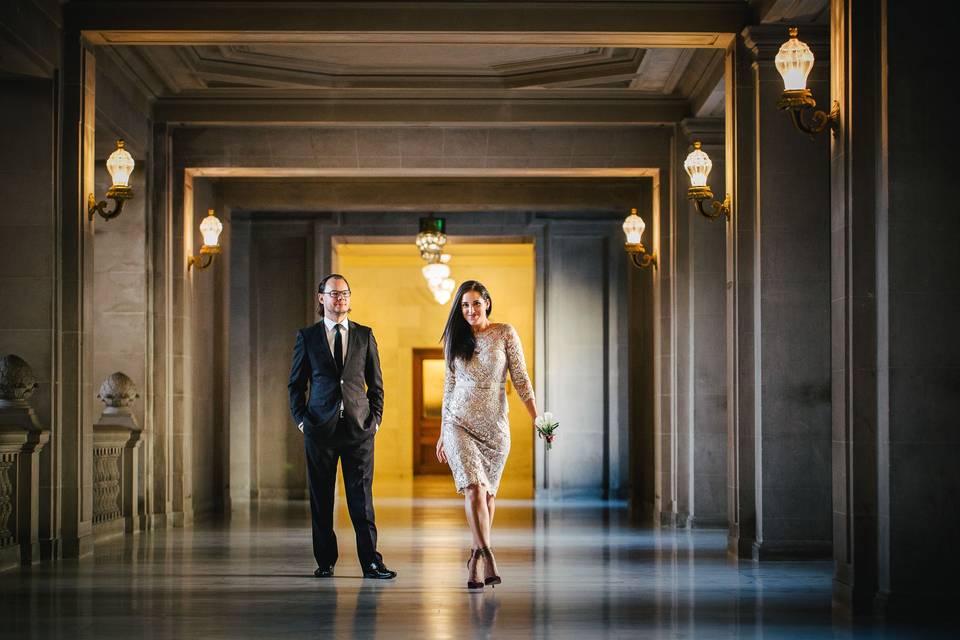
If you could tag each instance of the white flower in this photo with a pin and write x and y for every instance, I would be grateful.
(539, 421)
(548, 417)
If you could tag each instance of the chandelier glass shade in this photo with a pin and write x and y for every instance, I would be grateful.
(430, 241)
(432, 238)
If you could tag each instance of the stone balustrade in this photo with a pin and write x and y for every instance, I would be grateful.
(116, 438)
(21, 439)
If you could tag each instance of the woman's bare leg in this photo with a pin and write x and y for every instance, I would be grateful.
(475, 506)
(491, 508)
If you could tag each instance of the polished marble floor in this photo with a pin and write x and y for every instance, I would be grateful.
(570, 570)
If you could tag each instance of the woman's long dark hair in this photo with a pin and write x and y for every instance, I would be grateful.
(458, 339)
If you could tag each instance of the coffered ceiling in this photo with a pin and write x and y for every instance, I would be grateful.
(557, 62)
(170, 71)
(247, 71)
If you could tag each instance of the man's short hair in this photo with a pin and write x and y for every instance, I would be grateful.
(332, 276)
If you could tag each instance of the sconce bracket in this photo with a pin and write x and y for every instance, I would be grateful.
(798, 102)
(638, 254)
(205, 259)
(119, 195)
(700, 194)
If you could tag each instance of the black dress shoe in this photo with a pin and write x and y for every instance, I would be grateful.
(323, 572)
(378, 571)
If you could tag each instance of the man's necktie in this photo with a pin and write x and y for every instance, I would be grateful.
(338, 347)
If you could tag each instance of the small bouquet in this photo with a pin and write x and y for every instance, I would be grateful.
(546, 428)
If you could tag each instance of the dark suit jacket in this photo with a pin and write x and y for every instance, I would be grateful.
(360, 387)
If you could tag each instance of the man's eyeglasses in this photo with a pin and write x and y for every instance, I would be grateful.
(339, 295)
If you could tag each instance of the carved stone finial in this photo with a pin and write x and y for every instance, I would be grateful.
(17, 382)
(118, 390)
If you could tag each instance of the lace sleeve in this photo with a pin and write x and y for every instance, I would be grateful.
(517, 365)
(449, 381)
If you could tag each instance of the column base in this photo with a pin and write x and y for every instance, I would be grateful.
(667, 519)
(737, 546)
(135, 524)
(50, 549)
(792, 550)
(708, 522)
(111, 529)
(156, 521)
(642, 514)
(180, 519)
(76, 547)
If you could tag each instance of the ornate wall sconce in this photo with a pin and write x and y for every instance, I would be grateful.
(210, 229)
(633, 227)
(794, 62)
(698, 166)
(120, 165)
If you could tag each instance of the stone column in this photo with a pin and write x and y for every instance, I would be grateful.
(780, 394)
(73, 313)
(116, 438)
(160, 379)
(705, 251)
(21, 439)
(28, 255)
(896, 302)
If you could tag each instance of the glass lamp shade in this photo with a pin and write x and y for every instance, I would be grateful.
(435, 272)
(633, 227)
(442, 289)
(120, 165)
(794, 62)
(210, 228)
(698, 166)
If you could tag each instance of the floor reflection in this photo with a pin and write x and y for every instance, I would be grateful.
(571, 570)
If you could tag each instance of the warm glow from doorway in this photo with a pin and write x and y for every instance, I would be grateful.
(389, 295)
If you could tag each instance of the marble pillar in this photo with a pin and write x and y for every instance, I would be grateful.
(780, 486)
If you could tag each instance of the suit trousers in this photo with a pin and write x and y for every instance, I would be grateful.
(356, 460)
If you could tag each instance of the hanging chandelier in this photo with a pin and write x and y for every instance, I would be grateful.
(430, 242)
(432, 238)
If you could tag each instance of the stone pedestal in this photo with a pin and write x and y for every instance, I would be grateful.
(21, 439)
(116, 438)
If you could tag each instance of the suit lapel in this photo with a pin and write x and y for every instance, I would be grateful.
(324, 347)
(353, 344)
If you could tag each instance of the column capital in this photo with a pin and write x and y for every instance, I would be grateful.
(709, 131)
(764, 41)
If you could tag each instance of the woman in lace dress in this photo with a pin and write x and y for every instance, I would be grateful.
(475, 432)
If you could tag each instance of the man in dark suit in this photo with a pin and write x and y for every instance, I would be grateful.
(339, 417)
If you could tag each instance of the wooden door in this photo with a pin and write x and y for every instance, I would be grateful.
(428, 377)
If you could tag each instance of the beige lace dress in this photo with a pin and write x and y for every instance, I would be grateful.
(475, 428)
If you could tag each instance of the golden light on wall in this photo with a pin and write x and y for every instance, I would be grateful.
(120, 165)
(698, 166)
(633, 228)
(794, 62)
(210, 229)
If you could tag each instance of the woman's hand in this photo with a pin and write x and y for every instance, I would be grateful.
(441, 454)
